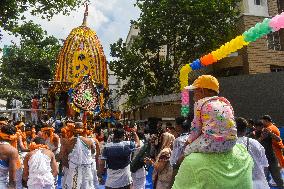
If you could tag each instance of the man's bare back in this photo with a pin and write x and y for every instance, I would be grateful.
(10, 154)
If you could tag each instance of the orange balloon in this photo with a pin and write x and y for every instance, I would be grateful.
(207, 59)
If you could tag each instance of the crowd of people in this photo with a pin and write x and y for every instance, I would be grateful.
(211, 148)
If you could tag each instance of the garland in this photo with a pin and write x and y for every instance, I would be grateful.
(31, 133)
(34, 146)
(67, 132)
(87, 96)
(51, 132)
(251, 35)
(11, 138)
(23, 135)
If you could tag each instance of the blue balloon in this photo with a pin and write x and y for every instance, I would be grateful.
(196, 65)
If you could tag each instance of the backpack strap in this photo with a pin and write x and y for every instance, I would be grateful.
(247, 143)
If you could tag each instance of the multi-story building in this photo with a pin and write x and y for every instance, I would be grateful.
(262, 56)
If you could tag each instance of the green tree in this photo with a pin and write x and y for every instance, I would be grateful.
(25, 64)
(187, 28)
(11, 11)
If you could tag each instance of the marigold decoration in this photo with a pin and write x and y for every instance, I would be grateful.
(50, 131)
(67, 132)
(82, 55)
(86, 96)
(13, 140)
(34, 146)
(251, 35)
(23, 136)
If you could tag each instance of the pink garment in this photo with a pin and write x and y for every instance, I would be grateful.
(213, 118)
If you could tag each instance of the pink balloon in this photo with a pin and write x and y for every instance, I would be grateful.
(277, 22)
(281, 21)
(274, 23)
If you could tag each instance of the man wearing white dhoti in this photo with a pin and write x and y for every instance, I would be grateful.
(78, 150)
(40, 167)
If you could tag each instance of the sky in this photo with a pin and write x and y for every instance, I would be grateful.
(109, 18)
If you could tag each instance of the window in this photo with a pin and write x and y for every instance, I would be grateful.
(274, 68)
(257, 2)
(273, 41)
(280, 5)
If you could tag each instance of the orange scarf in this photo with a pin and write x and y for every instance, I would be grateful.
(24, 137)
(31, 133)
(67, 132)
(34, 146)
(78, 131)
(13, 142)
(51, 132)
(11, 138)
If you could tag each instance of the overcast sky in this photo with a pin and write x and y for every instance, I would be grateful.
(109, 18)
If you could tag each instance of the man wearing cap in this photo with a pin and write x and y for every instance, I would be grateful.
(213, 127)
(213, 159)
(277, 144)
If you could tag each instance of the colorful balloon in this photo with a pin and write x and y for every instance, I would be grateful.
(196, 65)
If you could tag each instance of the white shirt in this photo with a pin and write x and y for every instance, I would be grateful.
(178, 148)
(257, 152)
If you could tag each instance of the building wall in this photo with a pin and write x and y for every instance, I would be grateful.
(273, 7)
(250, 8)
(252, 96)
(258, 58)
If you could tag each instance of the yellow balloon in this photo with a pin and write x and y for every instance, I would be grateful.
(184, 71)
(229, 47)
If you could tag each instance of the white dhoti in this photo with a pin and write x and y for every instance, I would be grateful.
(40, 176)
(41, 187)
(139, 178)
(95, 175)
(79, 178)
(3, 185)
(80, 172)
(19, 176)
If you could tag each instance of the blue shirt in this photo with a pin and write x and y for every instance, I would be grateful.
(117, 154)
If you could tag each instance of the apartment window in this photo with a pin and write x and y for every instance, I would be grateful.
(280, 5)
(274, 68)
(273, 41)
(257, 2)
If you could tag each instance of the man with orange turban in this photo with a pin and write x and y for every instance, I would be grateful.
(9, 157)
(51, 139)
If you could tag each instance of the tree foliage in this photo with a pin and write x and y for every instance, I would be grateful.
(11, 11)
(23, 65)
(187, 28)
